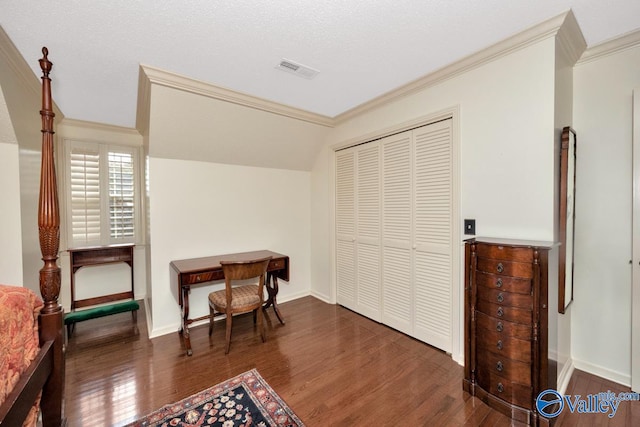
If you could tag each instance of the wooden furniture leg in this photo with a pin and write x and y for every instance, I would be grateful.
(184, 330)
(229, 322)
(272, 289)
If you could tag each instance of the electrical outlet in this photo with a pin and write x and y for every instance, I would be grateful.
(470, 226)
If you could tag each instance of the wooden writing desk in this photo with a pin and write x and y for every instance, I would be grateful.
(195, 271)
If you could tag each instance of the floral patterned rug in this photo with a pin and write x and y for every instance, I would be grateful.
(246, 400)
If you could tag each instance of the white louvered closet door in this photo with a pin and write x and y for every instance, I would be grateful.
(345, 229)
(394, 229)
(433, 234)
(368, 230)
(396, 232)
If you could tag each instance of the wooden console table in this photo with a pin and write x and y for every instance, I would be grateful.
(99, 255)
(195, 271)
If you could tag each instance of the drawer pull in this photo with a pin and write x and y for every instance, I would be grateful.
(499, 345)
(198, 277)
(499, 366)
(500, 388)
(500, 267)
(499, 283)
(499, 327)
(500, 312)
(500, 297)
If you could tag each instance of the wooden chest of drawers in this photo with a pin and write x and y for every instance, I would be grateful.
(506, 312)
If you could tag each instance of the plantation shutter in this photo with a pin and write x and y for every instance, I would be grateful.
(102, 199)
(121, 195)
(84, 166)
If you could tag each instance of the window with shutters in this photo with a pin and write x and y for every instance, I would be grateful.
(102, 193)
(121, 195)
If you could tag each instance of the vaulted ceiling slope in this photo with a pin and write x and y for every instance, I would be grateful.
(361, 48)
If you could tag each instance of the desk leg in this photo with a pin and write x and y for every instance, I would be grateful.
(184, 330)
(271, 283)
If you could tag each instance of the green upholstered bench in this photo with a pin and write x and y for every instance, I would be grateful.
(73, 317)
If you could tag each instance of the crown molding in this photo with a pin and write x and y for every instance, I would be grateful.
(10, 55)
(144, 103)
(609, 47)
(99, 127)
(570, 41)
(99, 132)
(528, 37)
(437, 116)
(165, 78)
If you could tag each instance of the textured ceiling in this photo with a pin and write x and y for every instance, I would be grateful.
(362, 48)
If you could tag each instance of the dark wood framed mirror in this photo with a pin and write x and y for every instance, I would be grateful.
(567, 217)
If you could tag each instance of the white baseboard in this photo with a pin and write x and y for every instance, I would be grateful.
(171, 329)
(565, 376)
(147, 313)
(322, 297)
(290, 297)
(175, 327)
(459, 358)
(606, 373)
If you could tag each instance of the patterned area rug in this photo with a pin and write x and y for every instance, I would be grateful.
(246, 400)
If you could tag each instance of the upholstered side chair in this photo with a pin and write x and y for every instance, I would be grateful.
(238, 296)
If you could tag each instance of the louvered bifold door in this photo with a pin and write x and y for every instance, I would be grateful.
(345, 229)
(396, 232)
(433, 228)
(368, 230)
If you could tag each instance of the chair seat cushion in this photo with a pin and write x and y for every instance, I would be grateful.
(242, 296)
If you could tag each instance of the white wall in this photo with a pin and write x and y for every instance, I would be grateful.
(601, 324)
(560, 332)
(207, 128)
(200, 209)
(322, 204)
(506, 150)
(10, 236)
(10, 260)
(209, 203)
(30, 162)
(21, 90)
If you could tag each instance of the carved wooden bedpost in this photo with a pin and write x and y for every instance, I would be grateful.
(48, 210)
(51, 319)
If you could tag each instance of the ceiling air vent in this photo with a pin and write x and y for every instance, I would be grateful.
(297, 69)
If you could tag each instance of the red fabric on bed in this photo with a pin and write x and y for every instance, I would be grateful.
(19, 342)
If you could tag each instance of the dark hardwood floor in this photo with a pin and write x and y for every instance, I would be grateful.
(333, 368)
